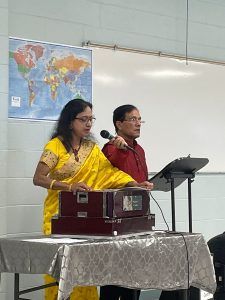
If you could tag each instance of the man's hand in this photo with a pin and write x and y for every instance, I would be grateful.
(119, 142)
(146, 185)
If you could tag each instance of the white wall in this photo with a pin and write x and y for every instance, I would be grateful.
(182, 104)
(3, 125)
(145, 24)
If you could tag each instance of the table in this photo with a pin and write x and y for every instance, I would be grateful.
(151, 260)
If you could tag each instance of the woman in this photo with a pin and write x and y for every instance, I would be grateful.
(72, 162)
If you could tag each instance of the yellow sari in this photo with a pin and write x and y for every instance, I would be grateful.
(95, 170)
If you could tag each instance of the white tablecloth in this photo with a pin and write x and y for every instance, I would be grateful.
(153, 260)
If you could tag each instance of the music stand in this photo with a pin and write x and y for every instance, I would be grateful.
(173, 175)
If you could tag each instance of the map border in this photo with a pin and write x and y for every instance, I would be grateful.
(54, 44)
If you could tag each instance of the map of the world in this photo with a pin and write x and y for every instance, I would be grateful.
(44, 77)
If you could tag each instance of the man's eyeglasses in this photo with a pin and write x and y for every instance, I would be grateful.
(134, 120)
(85, 120)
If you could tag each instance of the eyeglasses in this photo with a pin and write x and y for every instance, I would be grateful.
(85, 120)
(134, 120)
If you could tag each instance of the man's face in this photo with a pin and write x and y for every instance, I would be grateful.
(131, 126)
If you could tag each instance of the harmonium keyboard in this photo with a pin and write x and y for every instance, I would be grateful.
(107, 212)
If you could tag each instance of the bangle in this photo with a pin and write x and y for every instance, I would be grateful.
(51, 185)
(70, 187)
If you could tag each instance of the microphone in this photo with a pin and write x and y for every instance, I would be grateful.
(106, 135)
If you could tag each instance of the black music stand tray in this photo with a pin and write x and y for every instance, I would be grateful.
(173, 175)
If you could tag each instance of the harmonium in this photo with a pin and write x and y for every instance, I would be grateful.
(107, 212)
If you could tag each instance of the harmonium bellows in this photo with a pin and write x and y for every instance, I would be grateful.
(107, 212)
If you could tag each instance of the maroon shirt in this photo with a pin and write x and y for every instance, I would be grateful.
(128, 161)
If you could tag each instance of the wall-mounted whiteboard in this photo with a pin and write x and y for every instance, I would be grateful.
(183, 105)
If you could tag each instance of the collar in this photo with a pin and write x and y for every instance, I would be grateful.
(130, 143)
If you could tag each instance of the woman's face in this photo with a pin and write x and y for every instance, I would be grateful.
(82, 124)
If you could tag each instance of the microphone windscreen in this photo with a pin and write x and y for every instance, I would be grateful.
(106, 135)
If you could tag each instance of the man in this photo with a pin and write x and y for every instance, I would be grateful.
(127, 122)
(217, 248)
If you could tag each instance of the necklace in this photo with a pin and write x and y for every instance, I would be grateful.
(75, 152)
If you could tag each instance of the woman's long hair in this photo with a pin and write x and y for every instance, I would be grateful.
(68, 114)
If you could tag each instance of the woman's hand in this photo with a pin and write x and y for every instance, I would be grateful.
(80, 187)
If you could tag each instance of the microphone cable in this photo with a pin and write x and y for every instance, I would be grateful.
(185, 243)
(170, 232)
(150, 193)
(141, 164)
(106, 135)
(187, 259)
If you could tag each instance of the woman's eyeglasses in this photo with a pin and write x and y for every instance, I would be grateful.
(134, 120)
(85, 120)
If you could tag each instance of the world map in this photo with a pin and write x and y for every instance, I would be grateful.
(44, 77)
